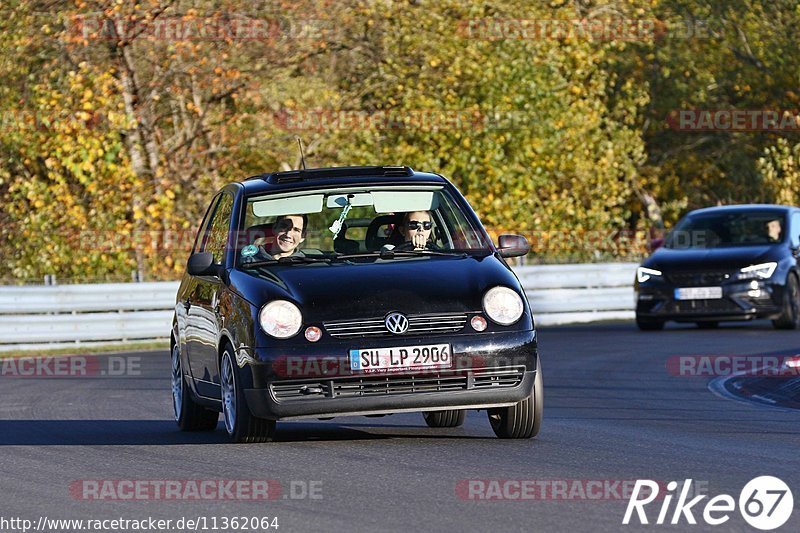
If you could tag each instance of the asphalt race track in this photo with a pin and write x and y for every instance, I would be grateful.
(613, 413)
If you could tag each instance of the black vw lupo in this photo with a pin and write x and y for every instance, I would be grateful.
(355, 321)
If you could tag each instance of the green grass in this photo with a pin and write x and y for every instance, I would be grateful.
(80, 349)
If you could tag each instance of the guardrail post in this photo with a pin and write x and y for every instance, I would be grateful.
(137, 276)
(50, 279)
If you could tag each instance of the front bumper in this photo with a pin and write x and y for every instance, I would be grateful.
(488, 370)
(741, 300)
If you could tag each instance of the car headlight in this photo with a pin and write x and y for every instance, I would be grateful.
(280, 319)
(644, 273)
(502, 305)
(761, 271)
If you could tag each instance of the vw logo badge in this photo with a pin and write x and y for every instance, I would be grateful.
(396, 323)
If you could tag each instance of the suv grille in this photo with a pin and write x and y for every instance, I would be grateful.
(349, 387)
(700, 279)
(417, 325)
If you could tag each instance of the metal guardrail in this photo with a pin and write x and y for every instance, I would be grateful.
(55, 316)
(565, 294)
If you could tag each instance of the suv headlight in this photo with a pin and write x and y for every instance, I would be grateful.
(280, 319)
(643, 274)
(502, 305)
(761, 271)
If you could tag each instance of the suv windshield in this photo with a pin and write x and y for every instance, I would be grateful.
(304, 227)
(725, 229)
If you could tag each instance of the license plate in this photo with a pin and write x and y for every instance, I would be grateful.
(699, 293)
(400, 358)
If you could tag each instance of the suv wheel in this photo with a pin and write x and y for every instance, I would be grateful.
(522, 420)
(790, 315)
(240, 424)
(452, 418)
(189, 415)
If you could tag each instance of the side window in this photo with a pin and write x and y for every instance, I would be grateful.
(216, 239)
(795, 229)
(204, 225)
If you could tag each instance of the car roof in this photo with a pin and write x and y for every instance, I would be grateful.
(742, 208)
(314, 178)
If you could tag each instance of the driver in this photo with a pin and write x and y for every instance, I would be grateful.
(774, 230)
(289, 232)
(416, 230)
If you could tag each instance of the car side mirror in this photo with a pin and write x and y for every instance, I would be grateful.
(655, 244)
(512, 245)
(202, 264)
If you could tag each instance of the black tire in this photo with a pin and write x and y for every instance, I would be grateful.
(790, 314)
(240, 423)
(649, 325)
(524, 419)
(707, 325)
(189, 415)
(452, 418)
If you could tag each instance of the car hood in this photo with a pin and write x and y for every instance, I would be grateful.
(732, 258)
(328, 291)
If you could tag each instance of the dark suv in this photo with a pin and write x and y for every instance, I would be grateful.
(737, 262)
(351, 291)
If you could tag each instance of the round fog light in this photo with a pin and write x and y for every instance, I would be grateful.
(478, 323)
(313, 334)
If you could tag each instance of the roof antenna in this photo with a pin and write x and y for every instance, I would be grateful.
(302, 155)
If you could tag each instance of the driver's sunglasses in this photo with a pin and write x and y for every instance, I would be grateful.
(415, 224)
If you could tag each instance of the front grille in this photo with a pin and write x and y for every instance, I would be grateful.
(707, 306)
(359, 386)
(700, 279)
(417, 325)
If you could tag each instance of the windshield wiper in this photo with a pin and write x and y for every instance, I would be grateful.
(292, 259)
(384, 253)
(415, 253)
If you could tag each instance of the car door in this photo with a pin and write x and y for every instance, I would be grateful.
(186, 330)
(794, 236)
(203, 303)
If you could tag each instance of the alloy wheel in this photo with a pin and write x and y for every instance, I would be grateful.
(228, 393)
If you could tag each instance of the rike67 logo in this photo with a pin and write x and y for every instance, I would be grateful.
(765, 503)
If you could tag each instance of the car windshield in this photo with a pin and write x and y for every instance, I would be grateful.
(726, 229)
(308, 226)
